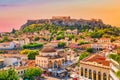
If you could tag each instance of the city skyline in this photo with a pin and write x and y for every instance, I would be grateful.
(15, 13)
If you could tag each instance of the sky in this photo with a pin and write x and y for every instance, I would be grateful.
(14, 13)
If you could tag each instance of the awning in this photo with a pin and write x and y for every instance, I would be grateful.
(50, 70)
(74, 75)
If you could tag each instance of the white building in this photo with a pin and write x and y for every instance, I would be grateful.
(1, 62)
(115, 66)
(20, 42)
(10, 61)
(99, 46)
(7, 45)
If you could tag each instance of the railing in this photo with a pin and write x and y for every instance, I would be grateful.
(113, 76)
(114, 68)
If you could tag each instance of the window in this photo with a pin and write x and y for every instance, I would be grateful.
(18, 72)
(21, 72)
(81, 71)
(24, 71)
(94, 75)
(90, 74)
(104, 76)
(85, 72)
(99, 75)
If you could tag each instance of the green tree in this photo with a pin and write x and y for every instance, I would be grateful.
(1, 51)
(26, 51)
(3, 75)
(59, 37)
(117, 58)
(82, 36)
(83, 55)
(31, 73)
(61, 44)
(118, 74)
(60, 33)
(5, 39)
(97, 34)
(89, 50)
(71, 36)
(32, 54)
(112, 39)
(112, 56)
(106, 36)
(10, 74)
(45, 39)
(36, 38)
(81, 42)
(13, 31)
(33, 46)
(32, 28)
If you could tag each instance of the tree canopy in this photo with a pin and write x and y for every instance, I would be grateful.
(31, 54)
(115, 57)
(1, 51)
(83, 55)
(118, 74)
(61, 44)
(71, 36)
(96, 34)
(36, 38)
(13, 31)
(33, 46)
(10, 74)
(90, 50)
(5, 39)
(83, 42)
(91, 31)
(31, 73)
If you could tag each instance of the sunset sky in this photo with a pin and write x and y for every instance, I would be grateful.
(14, 13)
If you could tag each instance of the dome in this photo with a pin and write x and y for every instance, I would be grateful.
(48, 49)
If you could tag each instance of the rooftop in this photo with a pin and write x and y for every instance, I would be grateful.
(1, 60)
(29, 63)
(48, 49)
(98, 59)
(51, 57)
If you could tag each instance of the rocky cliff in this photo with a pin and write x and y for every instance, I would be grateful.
(66, 21)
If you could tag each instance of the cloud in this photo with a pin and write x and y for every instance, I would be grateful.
(8, 5)
(5, 5)
(11, 3)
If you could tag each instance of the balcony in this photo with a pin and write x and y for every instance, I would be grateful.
(113, 76)
(114, 68)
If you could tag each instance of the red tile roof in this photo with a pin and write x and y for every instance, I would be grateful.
(29, 63)
(21, 67)
(6, 43)
(98, 59)
(74, 45)
(105, 38)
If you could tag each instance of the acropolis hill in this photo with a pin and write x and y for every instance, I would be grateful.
(66, 21)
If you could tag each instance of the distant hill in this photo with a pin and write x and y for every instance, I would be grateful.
(67, 21)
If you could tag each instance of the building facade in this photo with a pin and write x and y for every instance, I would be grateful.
(7, 45)
(1, 62)
(95, 67)
(115, 66)
(49, 58)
